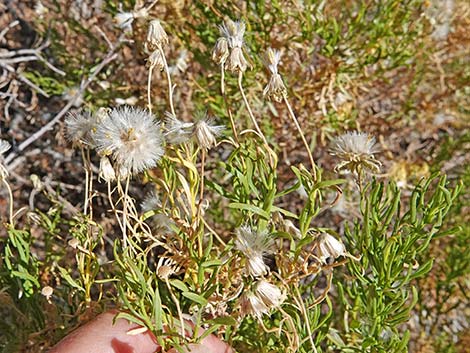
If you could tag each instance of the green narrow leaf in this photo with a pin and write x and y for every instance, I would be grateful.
(179, 284)
(195, 297)
(70, 280)
(254, 209)
(157, 309)
(223, 320)
(26, 276)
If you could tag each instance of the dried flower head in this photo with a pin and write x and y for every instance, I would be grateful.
(254, 245)
(106, 172)
(275, 88)
(329, 247)
(156, 35)
(156, 60)
(132, 137)
(356, 150)
(81, 126)
(47, 291)
(251, 304)
(166, 267)
(205, 132)
(177, 131)
(38, 185)
(221, 51)
(270, 295)
(236, 61)
(233, 32)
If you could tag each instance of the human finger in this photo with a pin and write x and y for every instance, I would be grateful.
(103, 336)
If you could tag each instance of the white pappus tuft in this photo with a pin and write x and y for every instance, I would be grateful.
(254, 245)
(81, 126)
(356, 150)
(269, 294)
(177, 131)
(133, 139)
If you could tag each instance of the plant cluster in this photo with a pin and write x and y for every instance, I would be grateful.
(214, 243)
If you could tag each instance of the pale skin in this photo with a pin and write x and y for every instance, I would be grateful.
(101, 335)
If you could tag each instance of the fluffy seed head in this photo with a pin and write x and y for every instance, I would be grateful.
(81, 127)
(177, 131)
(205, 132)
(329, 246)
(156, 35)
(356, 150)
(132, 137)
(150, 202)
(254, 245)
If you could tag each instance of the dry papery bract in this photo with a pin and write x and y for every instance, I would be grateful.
(232, 35)
(275, 88)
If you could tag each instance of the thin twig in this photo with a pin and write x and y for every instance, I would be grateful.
(23, 79)
(7, 28)
(110, 56)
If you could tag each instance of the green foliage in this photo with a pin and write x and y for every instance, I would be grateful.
(23, 309)
(379, 293)
(21, 265)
